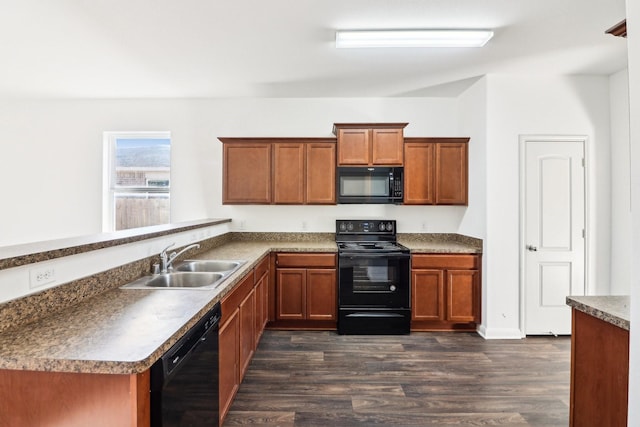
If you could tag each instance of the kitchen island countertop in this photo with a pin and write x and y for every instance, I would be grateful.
(614, 309)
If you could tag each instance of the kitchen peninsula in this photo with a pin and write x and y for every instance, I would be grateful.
(92, 357)
(599, 360)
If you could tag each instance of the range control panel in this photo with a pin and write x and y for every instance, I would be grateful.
(360, 226)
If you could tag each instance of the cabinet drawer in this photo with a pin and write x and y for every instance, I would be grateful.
(470, 262)
(261, 268)
(306, 260)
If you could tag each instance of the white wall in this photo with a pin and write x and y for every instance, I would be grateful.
(473, 122)
(51, 162)
(621, 231)
(633, 29)
(528, 105)
(54, 153)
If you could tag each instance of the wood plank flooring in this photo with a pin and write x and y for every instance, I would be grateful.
(424, 379)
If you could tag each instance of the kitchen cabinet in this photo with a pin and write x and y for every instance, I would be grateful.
(229, 359)
(445, 292)
(279, 170)
(246, 173)
(436, 171)
(247, 314)
(241, 326)
(320, 173)
(38, 398)
(369, 144)
(306, 291)
(599, 372)
(288, 173)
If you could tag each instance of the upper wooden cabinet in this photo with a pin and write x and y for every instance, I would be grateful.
(436, 171)
(288, 173)
(320, 176)
(279, 170)
(368, 144)
(246, 173)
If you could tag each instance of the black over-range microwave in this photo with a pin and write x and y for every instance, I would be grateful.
(362, 184)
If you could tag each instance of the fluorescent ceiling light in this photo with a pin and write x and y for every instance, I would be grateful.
(412, 38)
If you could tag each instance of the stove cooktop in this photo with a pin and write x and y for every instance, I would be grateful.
(371, 247)
(367, 236)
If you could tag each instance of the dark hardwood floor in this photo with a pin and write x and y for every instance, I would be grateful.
(422, 379)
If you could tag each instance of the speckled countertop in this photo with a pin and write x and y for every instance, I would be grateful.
(612, 308)
(124, 331)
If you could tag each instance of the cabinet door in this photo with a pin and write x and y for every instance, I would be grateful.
(419, 173)
(387, 147)
(246, 173)
(229, 356)
(462, 296)
(262, 305)
(259, 307)
(427, 295)
(247, 312)
(288, 173)
(451, 174)
(321, 173)
(354, 147)
(321, 294)
(291, 291)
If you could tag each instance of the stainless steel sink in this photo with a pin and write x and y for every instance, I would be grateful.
(225, 267)
(178, 280)
(190, 274)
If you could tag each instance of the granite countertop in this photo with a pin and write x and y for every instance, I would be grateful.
(440, 243)
(612, 309)
(124, 331)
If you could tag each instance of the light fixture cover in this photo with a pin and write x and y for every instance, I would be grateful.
(412, 38)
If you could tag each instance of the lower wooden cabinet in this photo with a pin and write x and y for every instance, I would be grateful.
(229, 359)
(599, 373)
(243, 320)
(445, 292)
(306, 291)
(35, 398)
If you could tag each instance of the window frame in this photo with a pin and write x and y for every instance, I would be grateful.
(109, 174)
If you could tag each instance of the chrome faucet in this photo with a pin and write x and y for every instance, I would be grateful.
(167, 260)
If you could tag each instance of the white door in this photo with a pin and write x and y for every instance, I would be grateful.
(553, 232)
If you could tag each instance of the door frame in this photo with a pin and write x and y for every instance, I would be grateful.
(523, 140)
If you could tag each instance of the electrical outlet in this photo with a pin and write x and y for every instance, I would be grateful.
(41, 276)
(304, 225)
(242, 224)
(424, 225)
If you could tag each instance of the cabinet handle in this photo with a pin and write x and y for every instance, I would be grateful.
(532, 248)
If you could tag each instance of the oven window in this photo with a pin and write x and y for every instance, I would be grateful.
(371, 185)
(374, 278)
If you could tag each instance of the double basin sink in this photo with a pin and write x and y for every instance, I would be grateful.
(189, 274)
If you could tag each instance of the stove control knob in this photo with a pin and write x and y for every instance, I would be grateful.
(389, 226)
(392, 288)
(381, 226)
(350, 226)
(343, 226)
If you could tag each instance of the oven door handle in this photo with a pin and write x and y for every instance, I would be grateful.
(374, 255)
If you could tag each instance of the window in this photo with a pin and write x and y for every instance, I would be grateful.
(137, 177)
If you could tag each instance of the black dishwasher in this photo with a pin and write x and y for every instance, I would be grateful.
(184, 382)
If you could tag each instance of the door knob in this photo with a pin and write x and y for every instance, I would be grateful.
(531, 248)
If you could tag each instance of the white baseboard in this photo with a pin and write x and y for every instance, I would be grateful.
(499, 333)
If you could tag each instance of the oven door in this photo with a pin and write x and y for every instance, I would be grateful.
(378, 280)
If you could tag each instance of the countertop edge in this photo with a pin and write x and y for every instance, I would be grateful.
(613, 309)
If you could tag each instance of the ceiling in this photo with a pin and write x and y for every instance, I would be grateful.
(285, 48)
